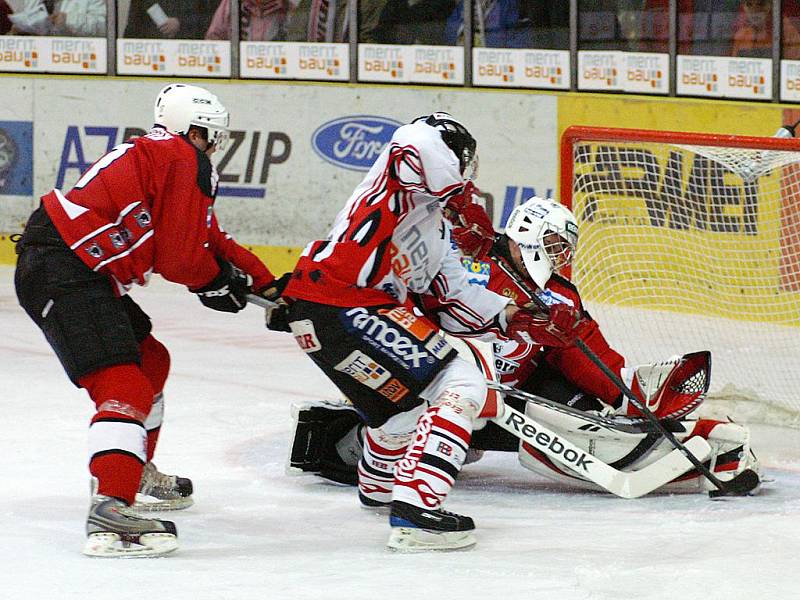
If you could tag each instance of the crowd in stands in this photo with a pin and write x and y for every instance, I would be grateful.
(706, 27)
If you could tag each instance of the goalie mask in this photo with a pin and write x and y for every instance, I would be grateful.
(179, 106)
(546, 233)
(458, 139)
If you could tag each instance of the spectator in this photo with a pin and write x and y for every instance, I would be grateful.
(414, 22)
(260, 20)
(81, 18)
(512, 24)
(185, 19)
(5, 22)
(329, 21)
(753, 32)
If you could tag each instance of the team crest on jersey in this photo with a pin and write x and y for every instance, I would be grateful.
(143, 218)
(117, 239)
(94, 250)
(478, 271)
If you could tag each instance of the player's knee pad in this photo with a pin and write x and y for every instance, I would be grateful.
(121, 389)
(155, 362)
(460, 386)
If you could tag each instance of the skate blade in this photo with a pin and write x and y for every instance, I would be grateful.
(110, 545)
(146, 503)
(412, 539)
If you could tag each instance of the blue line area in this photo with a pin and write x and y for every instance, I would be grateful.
(241, 192)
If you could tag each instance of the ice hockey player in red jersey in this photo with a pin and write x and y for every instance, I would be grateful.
(352, 313)
(145, 207)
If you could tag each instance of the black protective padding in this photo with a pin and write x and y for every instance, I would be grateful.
(86, 323)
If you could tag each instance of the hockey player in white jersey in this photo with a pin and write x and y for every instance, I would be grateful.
(350, 311)
(327, 436)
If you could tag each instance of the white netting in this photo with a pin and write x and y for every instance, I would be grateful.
(686, 247)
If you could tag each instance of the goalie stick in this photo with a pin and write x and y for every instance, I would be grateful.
(625, 484)
(740, 485)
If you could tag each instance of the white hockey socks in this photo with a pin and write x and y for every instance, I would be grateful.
(425, 475)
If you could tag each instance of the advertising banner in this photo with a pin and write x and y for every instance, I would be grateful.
(294, 60)
(613, 71)
(512, 67)
(725, 77)
(296, 151)
(443, 65)
(28, 54)
(790, 80)
(186, 58)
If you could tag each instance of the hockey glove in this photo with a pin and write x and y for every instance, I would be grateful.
(557, 329)
(473, 231)
(276, 316)
(228, 291)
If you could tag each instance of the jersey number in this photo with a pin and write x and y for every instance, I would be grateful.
(116, 152)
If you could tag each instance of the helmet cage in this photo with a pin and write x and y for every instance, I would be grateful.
(547, 235)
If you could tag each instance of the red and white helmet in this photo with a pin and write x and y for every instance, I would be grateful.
(179, 106)
(546, 233)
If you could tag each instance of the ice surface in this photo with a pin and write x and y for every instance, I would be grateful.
(256, 533)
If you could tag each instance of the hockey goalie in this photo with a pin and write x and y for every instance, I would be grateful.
(557, 388)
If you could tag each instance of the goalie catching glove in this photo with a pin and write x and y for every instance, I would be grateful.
(227, 292)
(557, 329)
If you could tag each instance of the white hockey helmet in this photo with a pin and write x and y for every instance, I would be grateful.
(179, 106)
(546, 233)
(456, 137)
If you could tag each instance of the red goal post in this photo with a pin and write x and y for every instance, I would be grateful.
(691, 241)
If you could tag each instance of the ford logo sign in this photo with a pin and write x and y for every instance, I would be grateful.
(353, 142)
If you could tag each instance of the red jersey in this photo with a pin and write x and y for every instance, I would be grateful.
(514, 362)
(147, 207)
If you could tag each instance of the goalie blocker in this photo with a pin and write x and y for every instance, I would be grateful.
(327, 441)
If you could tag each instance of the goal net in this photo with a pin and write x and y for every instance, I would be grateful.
(689, 242)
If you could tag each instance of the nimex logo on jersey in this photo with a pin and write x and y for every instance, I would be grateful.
(395, 342)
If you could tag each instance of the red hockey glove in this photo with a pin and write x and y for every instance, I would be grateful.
(558, 329)
(473, 231)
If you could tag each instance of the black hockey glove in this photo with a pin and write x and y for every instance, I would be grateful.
(228, 291)
(277, 316)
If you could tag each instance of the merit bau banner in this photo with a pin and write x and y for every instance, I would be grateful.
(174, 57)
(27, 54)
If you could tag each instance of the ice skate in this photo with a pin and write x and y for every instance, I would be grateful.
(115, 533)
(158, 491)
(372, 505)
(416, 529)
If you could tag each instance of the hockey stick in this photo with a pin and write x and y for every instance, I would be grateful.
(260, 301)
(625, 484)
(740, 485)
(621, 423)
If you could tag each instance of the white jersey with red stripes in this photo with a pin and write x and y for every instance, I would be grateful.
(391, 237)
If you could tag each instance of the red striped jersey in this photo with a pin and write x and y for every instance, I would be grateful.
(391, 237)
(514, 362)
(147, 207)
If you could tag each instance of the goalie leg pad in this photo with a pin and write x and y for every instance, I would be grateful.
(327, 441)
